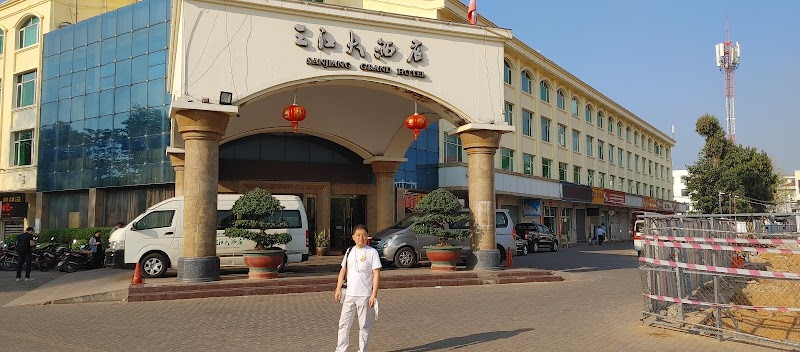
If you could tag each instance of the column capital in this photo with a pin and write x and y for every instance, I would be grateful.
(177, 156)
(385, 167)
(477, 141)
(200, 120)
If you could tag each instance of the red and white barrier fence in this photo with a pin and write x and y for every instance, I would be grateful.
(720, 269)
(717, 247)
(720, 305)
(722, 240)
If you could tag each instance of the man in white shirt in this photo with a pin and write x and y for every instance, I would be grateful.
(362, 266)
(601, 234)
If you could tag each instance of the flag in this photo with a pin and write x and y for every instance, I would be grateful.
(472, 13)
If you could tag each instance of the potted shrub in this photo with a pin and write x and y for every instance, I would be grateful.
(323, 241)
(441, 208)
(254, 216)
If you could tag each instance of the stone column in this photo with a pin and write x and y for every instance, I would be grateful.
(481, 146)
(201, 131)
(178, 159)
(384, 188)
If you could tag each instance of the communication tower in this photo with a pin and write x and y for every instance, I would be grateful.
(728, 55)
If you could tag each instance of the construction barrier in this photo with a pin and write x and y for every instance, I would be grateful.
(734, 276)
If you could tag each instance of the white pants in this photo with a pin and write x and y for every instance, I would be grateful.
(351, 306)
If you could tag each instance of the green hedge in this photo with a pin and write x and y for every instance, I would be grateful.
(65, 236)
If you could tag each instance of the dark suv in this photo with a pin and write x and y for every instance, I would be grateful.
(534, 237)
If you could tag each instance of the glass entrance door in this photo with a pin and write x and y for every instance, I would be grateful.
(347, 211)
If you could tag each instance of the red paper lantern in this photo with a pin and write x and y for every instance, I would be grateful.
(416, 123)
(294, 113)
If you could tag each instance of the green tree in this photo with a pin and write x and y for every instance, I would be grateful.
(744, 175)
(257, 211)
(441, 208)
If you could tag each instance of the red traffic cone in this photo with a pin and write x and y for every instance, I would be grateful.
(509, 261)
(137, 275)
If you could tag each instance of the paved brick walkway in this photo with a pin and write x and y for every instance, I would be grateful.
(596, 309)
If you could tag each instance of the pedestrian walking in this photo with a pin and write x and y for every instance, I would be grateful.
(25, 245)
(98, 253)
(361, 267)
(601, 233)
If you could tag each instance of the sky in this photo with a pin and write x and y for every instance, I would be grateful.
(656, 59)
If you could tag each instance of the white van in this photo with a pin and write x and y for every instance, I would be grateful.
(155, 238)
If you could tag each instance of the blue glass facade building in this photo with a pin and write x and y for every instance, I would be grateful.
(104, 110)
(421, 169)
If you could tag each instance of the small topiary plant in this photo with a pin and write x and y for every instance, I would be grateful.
(441, 208)
(254, 214)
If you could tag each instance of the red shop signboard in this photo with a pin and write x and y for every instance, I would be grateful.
(14, 210)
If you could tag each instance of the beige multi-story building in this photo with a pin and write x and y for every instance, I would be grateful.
(22, 26)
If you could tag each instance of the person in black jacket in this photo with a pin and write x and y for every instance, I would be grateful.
(24, 248)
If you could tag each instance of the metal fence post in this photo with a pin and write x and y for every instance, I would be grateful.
(680, 292)
(717, 310)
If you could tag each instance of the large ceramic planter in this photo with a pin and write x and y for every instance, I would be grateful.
(322, 251)
(443, 258)
(263, 264)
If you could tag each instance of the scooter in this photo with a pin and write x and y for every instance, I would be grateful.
(73, 262)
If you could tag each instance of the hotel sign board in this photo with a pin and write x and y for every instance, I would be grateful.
(384, 50)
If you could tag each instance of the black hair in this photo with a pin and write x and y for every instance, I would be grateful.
(29, 229)
(360, 227)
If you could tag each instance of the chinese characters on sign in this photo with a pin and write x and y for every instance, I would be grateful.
(385, 50)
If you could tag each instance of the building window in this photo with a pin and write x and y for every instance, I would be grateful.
(576, 141)
(636, 138)
(588, 113)
(649, 145)
(611, 153)
(509, 111)
(545, 129)
(619, 156)
(576, 174)
(638, 186)
(619, 129)
(546, 164)
(610, 124)
(2, 41)
(650, 167)
(628, 160)
(544, 91)
(589, 143)
(600, 151)
(560, 100)
(562, 171)
(527, 123)
(636, 162)
(527, 83)
(29, 32)
(630, 186)
(575, 106)
(611, 180)
(26, 89)
(600, 119)
(506, 159)
(685, 192)
(562, 136)
(663, 175)
(527, 163)
(506, 72)
(628, 134)
(23, 148)
(651, 191)
(590, 177)
(453, 150)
